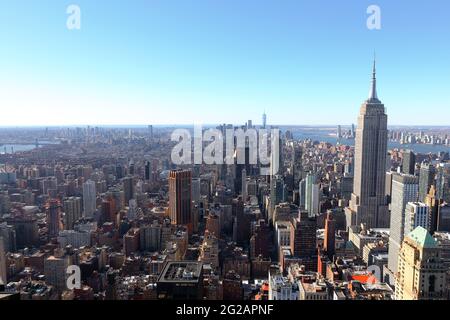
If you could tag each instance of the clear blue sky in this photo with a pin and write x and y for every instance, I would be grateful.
(215, 61)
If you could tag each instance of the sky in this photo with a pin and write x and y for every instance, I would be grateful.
(142, 62)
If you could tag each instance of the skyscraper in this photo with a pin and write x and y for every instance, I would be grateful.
(426, 178)
(330, 235)
(404, 190)
(147, 170)
(72, 211)
(408, 162)
(264, 120)
(244, 185)
(150, 132)
(53, 208)
(368, 202)
(89, 198)
(128, 188)
(303, 239)
(180, 205)
(312, 195)
(302, 193)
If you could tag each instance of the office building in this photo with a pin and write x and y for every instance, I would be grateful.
(329, 242)
(89, 199)
(3, 266)
(55, 271)
(53, 212)
(303, 239)
(181, 280)
(180, 199)
(72, 212)
(408, 162)
(128, 188)
(426, 179)
(312, 195)
(404, 189)
(422, 272)
(417, 214)
(368, 202)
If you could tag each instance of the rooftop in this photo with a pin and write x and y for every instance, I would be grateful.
(181, 271)
(422, 238)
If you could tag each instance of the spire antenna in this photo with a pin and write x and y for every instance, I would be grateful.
(373, 90)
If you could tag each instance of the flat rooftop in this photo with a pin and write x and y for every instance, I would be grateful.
(181, 271)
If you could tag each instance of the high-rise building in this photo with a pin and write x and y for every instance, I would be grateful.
(89, 198)
(150, 237)
(434, 205)
(108, 210)
(150, 132)
(8, 233)
(339, 132)
(408, 162)
(330, 235)
(3, 270)
(55, 271)
(72, 212)
(147, 170)
(180, 196)
(426, 178)
(422, 272)
(404, 190)
(259, 242)
(302, 193)
(368, 203)
(303, 239)
(128, 188)
(131, 167)
(352, 131)
(312, 195)
(244, 185)
(132, 209)
(241, 226)
(131, 241)
(276, 193)
(209, 251)
(416, 215)
(53, 210)
(264, 120)
(443, 182)
(196, 184)
(27, 231)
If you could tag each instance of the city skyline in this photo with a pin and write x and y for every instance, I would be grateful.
(221, 157)
(220, 63)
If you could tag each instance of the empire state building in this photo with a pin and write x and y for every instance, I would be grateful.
(368, 201)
